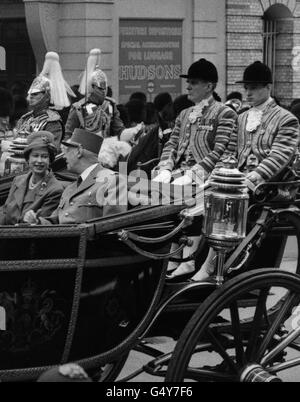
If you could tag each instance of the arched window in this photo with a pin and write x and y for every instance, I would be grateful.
(270, 34)
(278, 45)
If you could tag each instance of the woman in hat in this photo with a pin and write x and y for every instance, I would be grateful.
(37, 190)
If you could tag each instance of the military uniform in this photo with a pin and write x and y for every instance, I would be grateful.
(44, 198)
(102, 193)
(103, 120)
(47, 119)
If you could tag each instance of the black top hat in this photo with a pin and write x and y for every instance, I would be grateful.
(203, 70)
(89, 141)
(257, 73)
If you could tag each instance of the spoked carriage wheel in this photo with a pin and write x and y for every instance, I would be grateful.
(221, 343)
(280, 248)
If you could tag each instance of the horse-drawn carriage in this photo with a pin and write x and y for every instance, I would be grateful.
(91, 293)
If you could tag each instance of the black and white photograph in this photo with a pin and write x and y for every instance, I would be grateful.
(150, 193)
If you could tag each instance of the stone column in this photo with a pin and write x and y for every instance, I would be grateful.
(84, 25)
(42, 18)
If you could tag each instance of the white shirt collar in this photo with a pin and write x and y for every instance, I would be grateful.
(87, 171)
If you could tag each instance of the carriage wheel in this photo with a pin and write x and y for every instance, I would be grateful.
(218, 344)
(271, 253)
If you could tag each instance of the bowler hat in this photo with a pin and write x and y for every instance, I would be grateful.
(88, 140)
(257, 73)
(203, 70)
(40, 139)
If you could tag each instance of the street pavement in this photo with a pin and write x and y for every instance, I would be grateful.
(136, 360)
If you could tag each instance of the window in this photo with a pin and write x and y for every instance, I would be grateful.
(270, 34)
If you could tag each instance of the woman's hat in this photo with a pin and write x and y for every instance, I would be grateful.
(86, 139)
(257, 73)
(203, 70)
(40, 139)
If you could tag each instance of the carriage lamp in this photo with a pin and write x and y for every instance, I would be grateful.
(226, 204)
(16, 163)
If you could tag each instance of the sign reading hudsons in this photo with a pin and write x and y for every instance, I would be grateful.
(150, 57)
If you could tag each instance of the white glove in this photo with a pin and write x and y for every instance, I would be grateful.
(5, 144)
(183, 180)
(255, 178)
(163, 177)
(129, 133)
(31, 217)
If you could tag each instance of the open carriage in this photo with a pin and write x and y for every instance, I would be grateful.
(90, 293)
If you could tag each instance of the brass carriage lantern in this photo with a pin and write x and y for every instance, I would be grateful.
(16, 163)
(226, 205)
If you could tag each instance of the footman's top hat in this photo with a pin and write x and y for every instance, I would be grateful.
(257, 73)
(203, 70)
(88, 140)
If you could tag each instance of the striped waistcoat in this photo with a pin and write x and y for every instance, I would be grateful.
(207, 138)
(273, 143)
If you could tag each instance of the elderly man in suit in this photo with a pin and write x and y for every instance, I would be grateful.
(268, 135)
(97, 192)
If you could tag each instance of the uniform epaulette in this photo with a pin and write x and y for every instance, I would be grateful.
(53, 115)
(79, 104)
(111, 100)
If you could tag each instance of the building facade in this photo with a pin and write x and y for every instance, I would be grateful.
(266, 30)
(146, 44)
